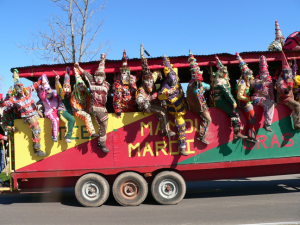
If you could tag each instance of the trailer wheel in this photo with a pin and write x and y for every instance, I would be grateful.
(92, 190)
(130, 189)
(168, 188)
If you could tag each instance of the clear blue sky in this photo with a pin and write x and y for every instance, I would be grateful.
(170, 27)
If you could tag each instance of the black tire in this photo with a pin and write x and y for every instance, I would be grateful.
(130, 189)
(168, 180)
(92, 190)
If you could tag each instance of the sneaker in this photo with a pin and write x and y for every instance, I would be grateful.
(40, 153)
(268, 128)
(54, 139)
(254, 140)
(95, 135)
(203, 140)
(103, 148)
(68, 140)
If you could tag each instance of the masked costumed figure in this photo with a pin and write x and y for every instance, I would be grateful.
(173, 94)
(26, 108)
(52, 104)
(147, 101)
(292, 42)
(124, 90)
(223, 98)
(65, 113)
(278, 43)
(296, 88)
(195, 97)
(99, 88)
(285, 91)
(80, 103)
(263, 88)
(244, 98)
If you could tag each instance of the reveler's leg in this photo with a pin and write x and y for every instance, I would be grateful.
(55, 124)
(295, 106)
(268, 112)
(36, 131)
(69, 121)
(249, 112)
(204, 124)
(102, 121)
(162, 115)
(181, 127)
(234, 116)
(88, 122)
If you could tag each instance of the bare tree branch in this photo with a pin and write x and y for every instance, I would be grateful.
(69, 36)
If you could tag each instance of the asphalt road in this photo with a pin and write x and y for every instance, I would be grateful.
(272, 200)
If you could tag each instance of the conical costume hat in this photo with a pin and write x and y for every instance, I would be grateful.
(243, 65)
(168, 70)
(278, 34)
(219, 64)
(124, 62)
(101, 67)
(195, 69)
(16, 77)
(263, 65)
(222, 70)
(146, 73)
(45, 81)
(78, 78)
(285, 64)
(67, 77)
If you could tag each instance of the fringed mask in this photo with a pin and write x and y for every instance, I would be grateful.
(19, 89)
(99, 77)
(125, 76)
(172, 79)
(148, 85)
(67, 88)
(287, 73)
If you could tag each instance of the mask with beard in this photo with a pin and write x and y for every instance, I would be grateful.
(264, 75)
(125, 77)
(149, 84)
(249, 74)
(287, 73)
(67, 89)
(81, 87)
(172, 79)
(19, 89)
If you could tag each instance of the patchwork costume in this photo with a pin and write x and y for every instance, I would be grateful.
(124, 90)
(195, 97)
(99, 88)
(278, 43)
(147, 101)
(173, 94)
(244, 98)
(223, 98)
(285, 91)
(263, 88)
(25, 106)
(80, 103)
(65, 113)
(292, 42)
(52, 104)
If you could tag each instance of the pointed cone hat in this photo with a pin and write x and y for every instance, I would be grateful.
(285, 64)
(243, 65)
(101, 67)
(263, 65)
(168, 67)
(195, 69)
(219, 64)
(124, 61)
(16, 77)
(67, 76)
(278, 34)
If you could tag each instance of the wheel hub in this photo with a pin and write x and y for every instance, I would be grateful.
(91, 190)
(129, 189)
(168, 188)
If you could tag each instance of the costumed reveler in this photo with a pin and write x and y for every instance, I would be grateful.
(52, 104)
(292, 42)
(124, 90)
(65, 113)
(296, 87)
(263, 88)
(195, 97)
(173, 94)
(244, 98)
(80, 103)
(278, 43)
(223, 98)
(147, 101)
(285, 91)
(21, 99)
(99, 88)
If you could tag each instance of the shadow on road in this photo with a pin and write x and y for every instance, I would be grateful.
(201, 189)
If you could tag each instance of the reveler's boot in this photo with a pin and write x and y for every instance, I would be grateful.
(203, 139)
(268, 128)
(237, 134)
(95, 135)
(254, 140)
(102, 146)
(183, 152)
(38, 152)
